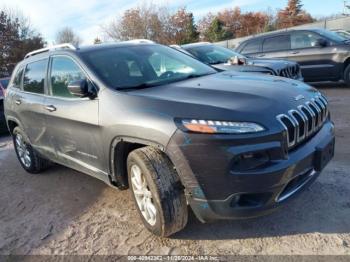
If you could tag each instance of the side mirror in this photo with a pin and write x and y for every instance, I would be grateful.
(235, 60)
(321, 42)
(82, 88)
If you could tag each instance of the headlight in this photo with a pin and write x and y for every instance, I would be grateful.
(221, 127)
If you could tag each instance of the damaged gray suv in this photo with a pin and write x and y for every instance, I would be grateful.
(175, 131)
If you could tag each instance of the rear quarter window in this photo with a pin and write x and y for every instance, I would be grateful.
(34, 77)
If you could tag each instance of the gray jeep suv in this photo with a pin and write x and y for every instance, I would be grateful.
(323, 55)
(174, 130)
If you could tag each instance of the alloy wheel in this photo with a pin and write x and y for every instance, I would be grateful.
(23, 151)
(143, 195)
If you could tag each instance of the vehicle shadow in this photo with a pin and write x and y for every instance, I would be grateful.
(34, 208)
(323, 208)
(323, 85)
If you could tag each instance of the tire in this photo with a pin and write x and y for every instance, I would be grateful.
(163, 190)
(347, 76)
(28, 157)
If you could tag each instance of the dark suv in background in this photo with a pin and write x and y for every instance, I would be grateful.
(173, 129)
(226, 59)
(323, 55)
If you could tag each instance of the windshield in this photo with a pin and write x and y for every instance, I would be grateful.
(344, 34)
(141, 66)
(331, 35)
(4, 82)
(212, 54)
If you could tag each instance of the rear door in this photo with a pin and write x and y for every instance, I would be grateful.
(26, 98)
(276, 46)
(72, 122)
(316, 61)
(252, 48)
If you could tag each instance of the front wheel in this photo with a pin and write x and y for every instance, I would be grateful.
(347, 76)
(157, 191)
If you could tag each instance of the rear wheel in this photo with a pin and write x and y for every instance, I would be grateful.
(30, 160)
(157, 191)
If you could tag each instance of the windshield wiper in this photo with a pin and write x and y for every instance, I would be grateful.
(217, 62)
(195, 76)
(140, 86)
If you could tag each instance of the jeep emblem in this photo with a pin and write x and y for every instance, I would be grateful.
(299, 97)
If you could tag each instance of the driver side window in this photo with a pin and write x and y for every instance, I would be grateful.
(162, 64)
(304, 40)
(63, 71)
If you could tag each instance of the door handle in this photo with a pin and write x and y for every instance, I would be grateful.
(262, 55)
(50, 108)
(294, 52)
(18, 102)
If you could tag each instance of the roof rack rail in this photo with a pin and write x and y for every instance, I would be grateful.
(47, 49)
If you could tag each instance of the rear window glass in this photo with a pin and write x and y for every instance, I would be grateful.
(277, 43)
(34, 77)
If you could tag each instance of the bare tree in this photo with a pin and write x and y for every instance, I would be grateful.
(146, 21)
(67, 35)
(293, 15)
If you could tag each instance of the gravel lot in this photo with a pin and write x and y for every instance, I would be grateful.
(66, 212)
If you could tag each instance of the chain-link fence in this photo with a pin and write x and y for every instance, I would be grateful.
(332, 24)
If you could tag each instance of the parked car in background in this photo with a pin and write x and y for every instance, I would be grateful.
(342, 33)
(3, 85)
(174, 130)
(226, 59)
(323, 55)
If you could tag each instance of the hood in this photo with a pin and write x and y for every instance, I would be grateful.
(229, 96)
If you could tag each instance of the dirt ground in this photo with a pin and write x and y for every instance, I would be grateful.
(66, 212)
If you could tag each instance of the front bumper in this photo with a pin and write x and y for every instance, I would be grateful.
(216, 190)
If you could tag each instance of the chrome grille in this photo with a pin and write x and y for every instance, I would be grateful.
(290, 72)
(304, 121)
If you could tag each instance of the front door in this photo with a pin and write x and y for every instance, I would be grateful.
(316, 61)
(72, 121)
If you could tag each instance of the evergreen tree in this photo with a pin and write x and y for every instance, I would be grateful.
(16, 40)
(217, 32)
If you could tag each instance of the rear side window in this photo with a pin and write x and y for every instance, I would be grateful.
(277, 43)
(251, 47)
(64, 71)
(17, 81)
(34, 77)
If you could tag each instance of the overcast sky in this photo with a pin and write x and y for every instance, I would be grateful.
(87, 16)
